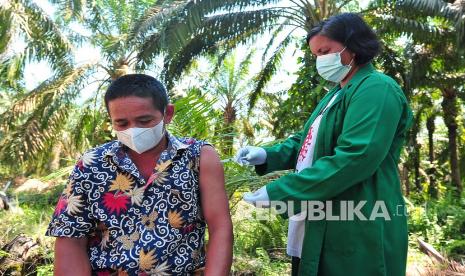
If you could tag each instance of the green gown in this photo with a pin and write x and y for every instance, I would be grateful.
(356, 154)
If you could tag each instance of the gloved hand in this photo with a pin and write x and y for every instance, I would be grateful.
(250, 155)
(259, 198)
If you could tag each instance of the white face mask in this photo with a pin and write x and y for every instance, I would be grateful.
(141, 139)
(330, 66)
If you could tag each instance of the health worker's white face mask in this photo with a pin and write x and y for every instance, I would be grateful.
(141, 139)
(330, 66)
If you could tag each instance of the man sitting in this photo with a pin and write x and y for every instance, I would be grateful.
(140, 205)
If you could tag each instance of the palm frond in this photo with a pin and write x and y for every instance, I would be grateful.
(47, 40)
(452, 14)
(218, 31)
(270, 69)
(6, 31)
(193, 114)
(161, 30)
(34, 122)
(91, 127)
(154, 17)
(71, 9)
(431, 7)
(392, 63)
(56, 88)
(419, 31)
(44, 38)
(148, 50)
(244, 65)
(11, 70)
(31, 138)
(270, 43)
(199, 9)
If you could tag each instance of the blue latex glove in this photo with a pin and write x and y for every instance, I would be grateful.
(258, 198)
(250, 155)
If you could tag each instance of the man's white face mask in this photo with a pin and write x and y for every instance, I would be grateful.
(141, 139)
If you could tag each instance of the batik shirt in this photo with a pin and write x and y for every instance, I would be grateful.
(136, 227)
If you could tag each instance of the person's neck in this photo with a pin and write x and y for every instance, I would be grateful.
(151, 153)
(349, 75)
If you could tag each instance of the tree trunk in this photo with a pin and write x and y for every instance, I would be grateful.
(56, 156)
(415, 152)
(404, 178)
(121, 68)
(229, 120)
(416, 164)
(450, 110)
(431, 127)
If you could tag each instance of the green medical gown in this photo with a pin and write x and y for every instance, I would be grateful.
(356, 154)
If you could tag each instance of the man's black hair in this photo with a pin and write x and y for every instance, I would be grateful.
(350, 30)
(138, 85)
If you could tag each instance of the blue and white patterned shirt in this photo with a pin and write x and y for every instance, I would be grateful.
(136, 227)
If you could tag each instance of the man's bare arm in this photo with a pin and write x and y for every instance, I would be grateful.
(215, 208)
(71, 257)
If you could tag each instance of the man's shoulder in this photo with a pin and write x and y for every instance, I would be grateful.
(98, 154)
(190, 142)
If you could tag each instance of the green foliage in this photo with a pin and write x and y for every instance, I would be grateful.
(44, 37)
(252, 234)
(28, 219)
(44, 199)
(226, 24)
(194, 116)
(228, 82)
(444, 13)
(456, 249)
(269, 70)
(262, 264)
(45, 270)
(259, 245)
(441, 223)
(301, 99)
(4, 254)
(34, 121)
(88, 126)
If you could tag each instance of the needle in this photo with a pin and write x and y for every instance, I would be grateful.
(227, 160)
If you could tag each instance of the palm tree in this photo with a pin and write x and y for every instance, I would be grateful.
(229, 83)
(43, 41)
(222, 25)
(437, 29)
(123, 33)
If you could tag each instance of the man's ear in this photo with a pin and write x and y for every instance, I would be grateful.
(169, 113)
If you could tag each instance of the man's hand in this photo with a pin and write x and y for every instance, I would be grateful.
(250, 156)
(215, 206)
(71, 257)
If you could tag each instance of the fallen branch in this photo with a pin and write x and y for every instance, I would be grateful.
(449, 267)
